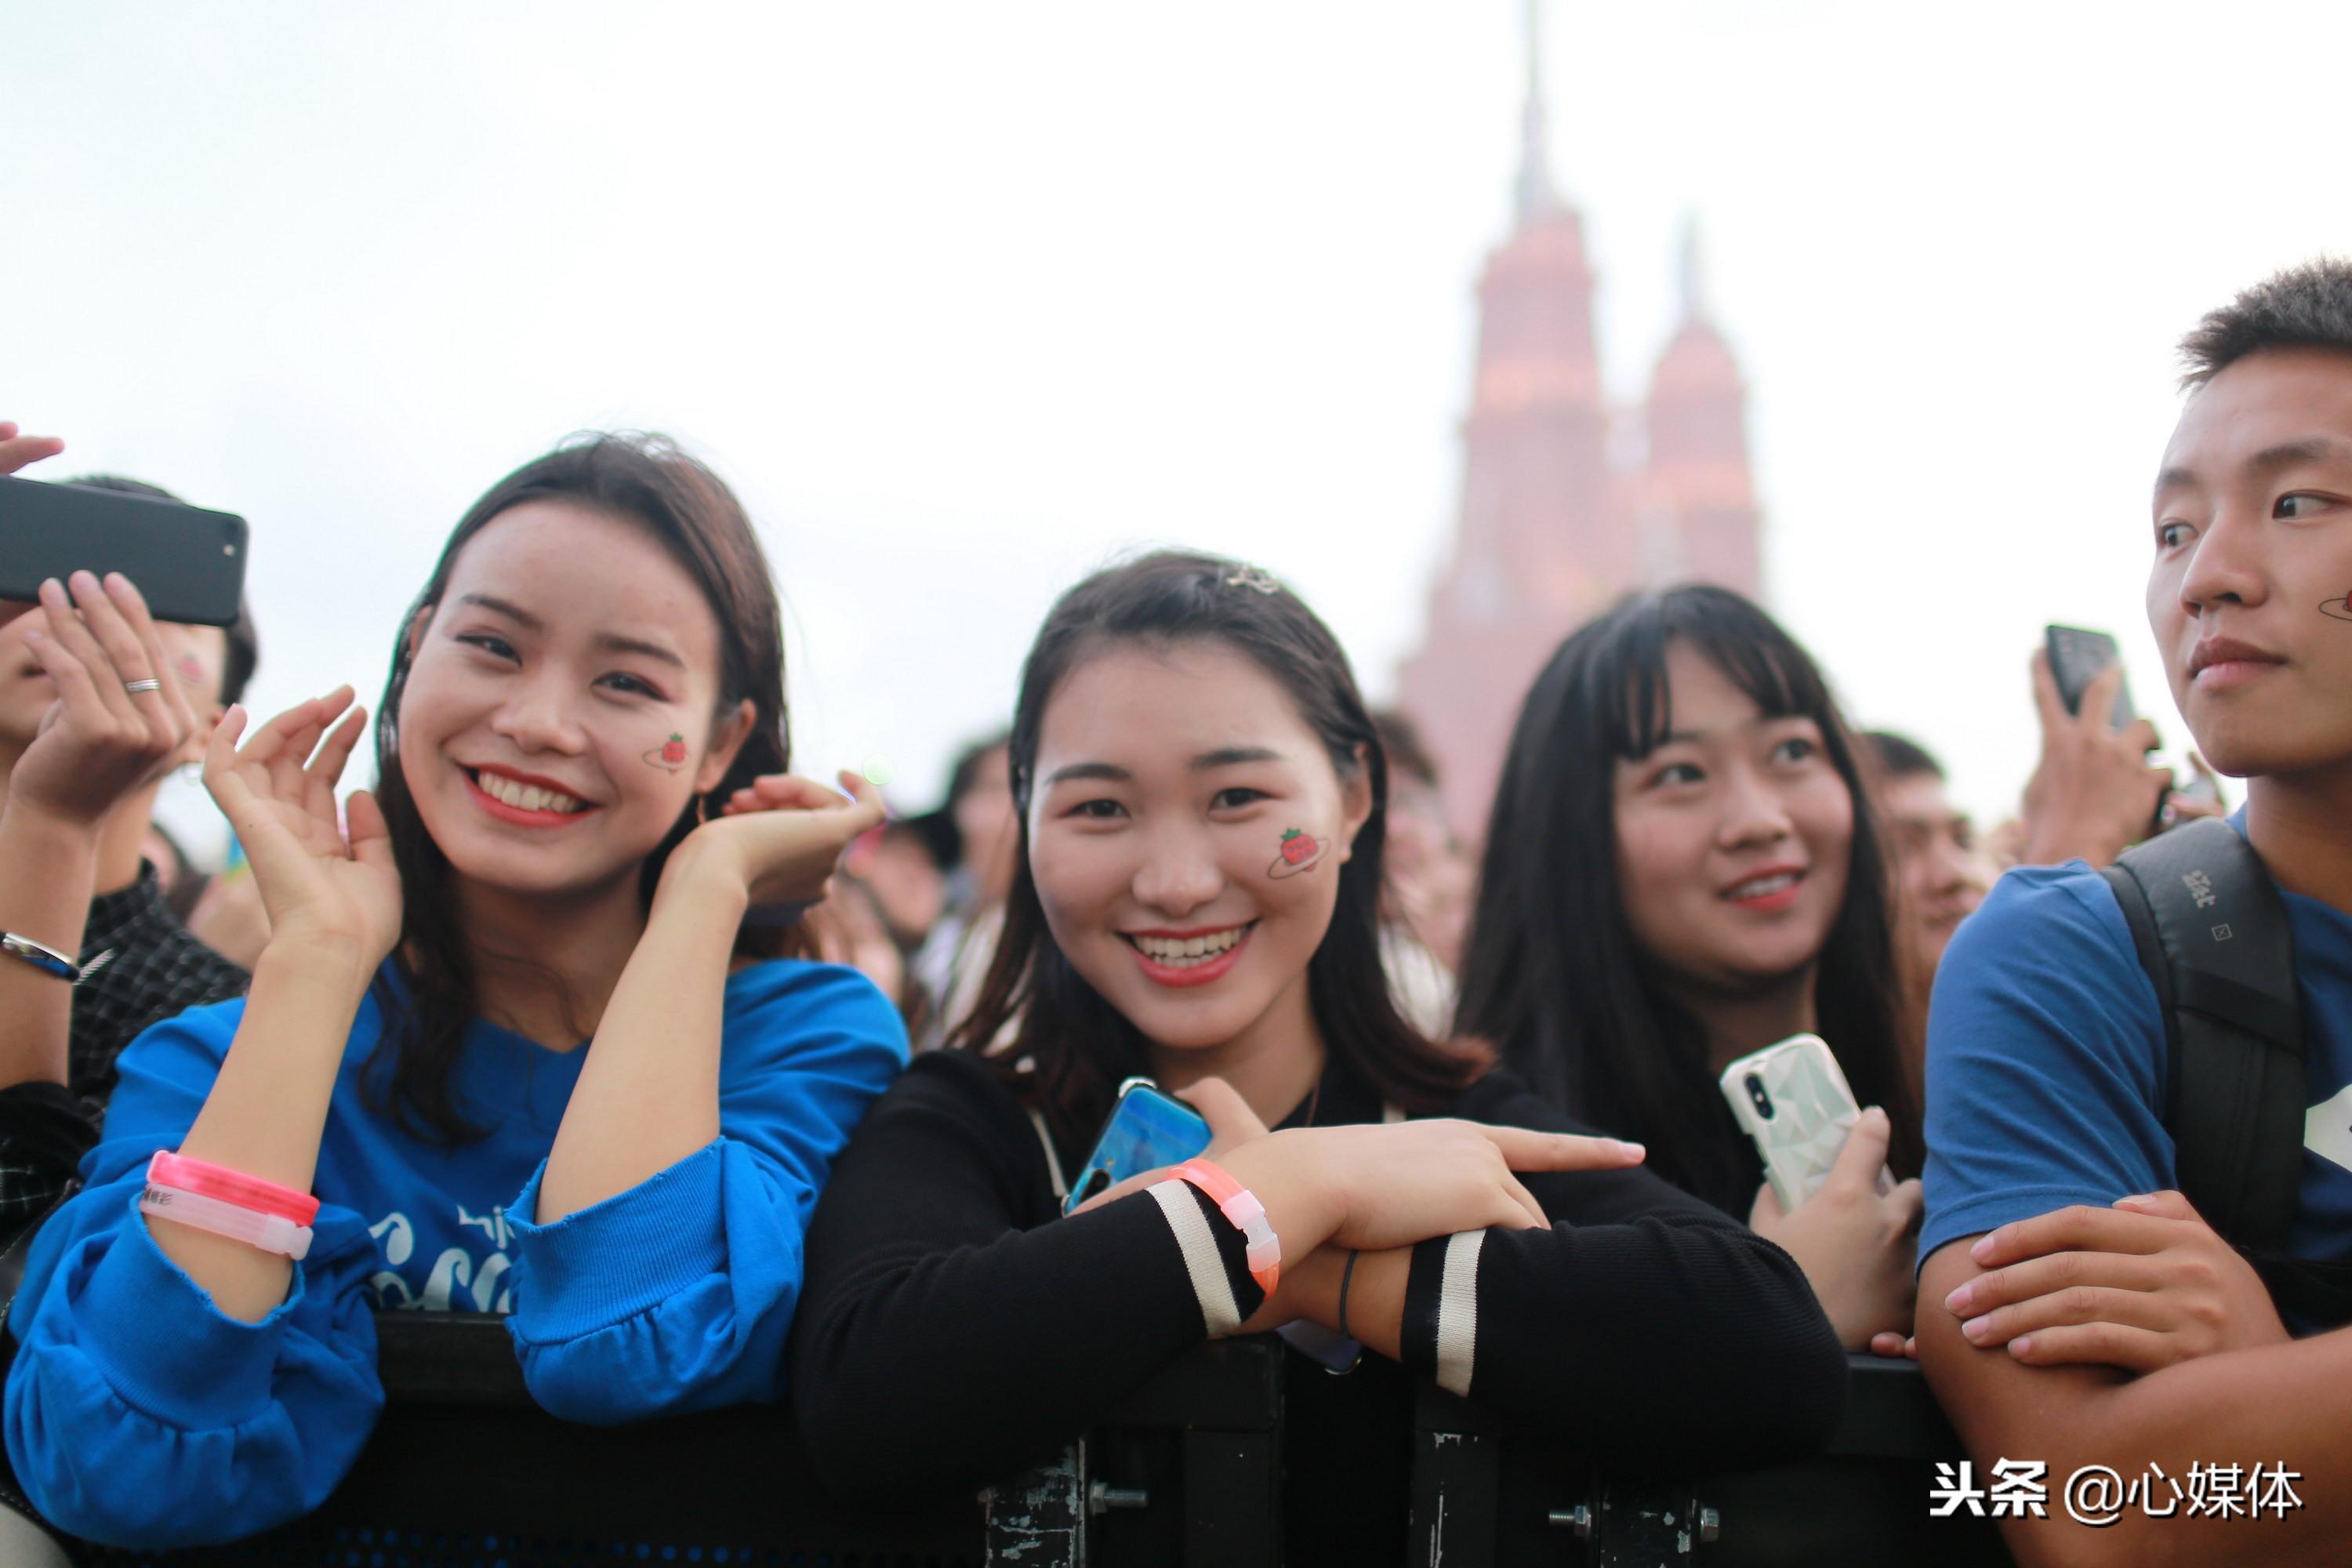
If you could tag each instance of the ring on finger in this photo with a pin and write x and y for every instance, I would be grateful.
(149, 684)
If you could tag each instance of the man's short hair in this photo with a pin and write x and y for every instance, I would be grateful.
(1899, 758)
(2306, 307)
(244, 637)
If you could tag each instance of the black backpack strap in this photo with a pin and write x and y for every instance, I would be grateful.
(2212, 934)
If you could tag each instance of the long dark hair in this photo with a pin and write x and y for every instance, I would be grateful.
(1552, 974)
(1071, 1047)
(647, 481)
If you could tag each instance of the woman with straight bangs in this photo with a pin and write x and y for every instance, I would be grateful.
(1682, 867)
(1201, 801)
(582, 748)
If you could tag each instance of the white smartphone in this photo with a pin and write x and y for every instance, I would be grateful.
(1793, 1100)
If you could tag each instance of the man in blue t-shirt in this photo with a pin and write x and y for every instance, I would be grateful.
(2073, 1311)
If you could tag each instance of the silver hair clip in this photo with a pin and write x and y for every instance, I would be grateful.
(1255, 577)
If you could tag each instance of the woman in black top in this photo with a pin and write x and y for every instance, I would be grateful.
(1730, 891)
(1201, 799)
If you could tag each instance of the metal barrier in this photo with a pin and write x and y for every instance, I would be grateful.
(1486, 1494)
(464, 1471)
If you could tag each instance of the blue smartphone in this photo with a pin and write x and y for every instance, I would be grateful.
(1149, 1129)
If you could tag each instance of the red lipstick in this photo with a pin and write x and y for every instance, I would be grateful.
(515, 814)
(1768, 903)
(1194, 974)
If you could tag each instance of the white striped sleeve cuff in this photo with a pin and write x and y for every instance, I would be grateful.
(1202, 1261)
(1457, 1313)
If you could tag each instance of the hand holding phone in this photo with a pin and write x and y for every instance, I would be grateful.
(2093, 793)
(120, 719)
(1855, 1239)
(1792, 1101)
(2076, 658)
(1149, 1129)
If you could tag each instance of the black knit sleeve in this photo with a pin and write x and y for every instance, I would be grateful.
(1643, 1319)
(140, 966)
(45, 1129)
(949, 1331)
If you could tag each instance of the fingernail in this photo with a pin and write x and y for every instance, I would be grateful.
(1982, 1250)
(2020, 1347)
(1957, 1302)
(1975, 1327)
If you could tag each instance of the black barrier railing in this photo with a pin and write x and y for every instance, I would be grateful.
(464, 1471)
(1484, 1493)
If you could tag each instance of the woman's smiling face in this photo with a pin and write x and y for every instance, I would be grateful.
(1734, 836)
(557, 717)
(1186, 832)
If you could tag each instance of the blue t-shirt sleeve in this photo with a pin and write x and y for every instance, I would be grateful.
(2045, 1060)
(136, 1413)
(678, 1294)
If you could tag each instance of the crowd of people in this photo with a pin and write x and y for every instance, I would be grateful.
(725, 1085)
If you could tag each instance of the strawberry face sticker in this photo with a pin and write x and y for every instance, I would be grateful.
(1300, 852)
(670, 755)
(2340, 608)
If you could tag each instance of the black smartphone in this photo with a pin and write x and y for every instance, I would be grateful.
(188, 563)
(2076, 657)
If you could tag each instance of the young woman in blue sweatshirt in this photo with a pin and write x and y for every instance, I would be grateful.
(583, 797)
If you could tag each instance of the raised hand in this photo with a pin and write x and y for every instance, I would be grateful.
(1855, 1242)
(325, 887)
(2182, 805)
(779, 839)
(18, 450)
(2142, 1284)
(121, 719)
(2093, 793)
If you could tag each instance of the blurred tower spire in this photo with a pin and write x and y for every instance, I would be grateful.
(1691, 279)
(1537, 193)
(1540, 541)
(1700, 491)
(1555, 520)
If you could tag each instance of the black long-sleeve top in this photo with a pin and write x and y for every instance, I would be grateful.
(953, 1327)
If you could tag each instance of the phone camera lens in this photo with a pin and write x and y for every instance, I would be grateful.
(1095, 1183)
(1761, 1101)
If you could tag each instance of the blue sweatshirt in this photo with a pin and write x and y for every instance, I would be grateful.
(137, 1414)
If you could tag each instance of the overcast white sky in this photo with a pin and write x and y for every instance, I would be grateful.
(964, 297)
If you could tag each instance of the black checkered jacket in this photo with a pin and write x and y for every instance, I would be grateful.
(140, 966)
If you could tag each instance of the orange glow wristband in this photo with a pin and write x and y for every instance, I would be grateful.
(1239, 1206)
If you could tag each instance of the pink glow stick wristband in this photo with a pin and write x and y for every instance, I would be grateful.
(202, 1179)
(269, 1232)
(1262, 1253)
